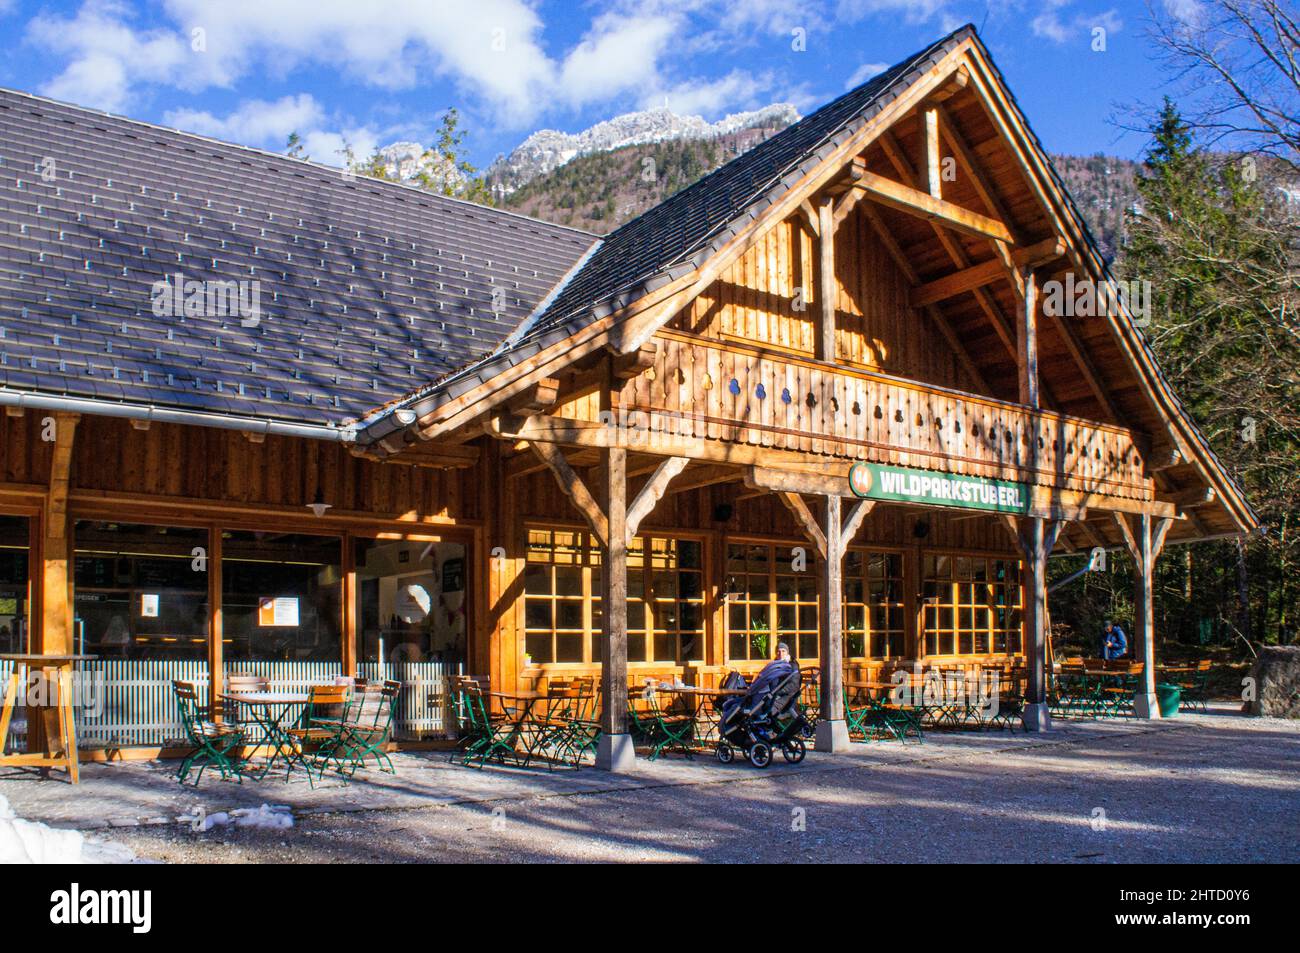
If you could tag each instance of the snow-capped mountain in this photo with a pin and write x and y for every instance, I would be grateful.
(549, 149)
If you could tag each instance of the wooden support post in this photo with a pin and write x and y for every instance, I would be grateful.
(832, 729)
(932, 161)
(349, 570)
(1144, 540)
(56, 549)
(615, 752)
(831, 542)
(216, 631)
(1036, 537)
(1027, 343)
(826, 280)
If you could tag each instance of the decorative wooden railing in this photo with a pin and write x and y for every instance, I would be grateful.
(706, 390)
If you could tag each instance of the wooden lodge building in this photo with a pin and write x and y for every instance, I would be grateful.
(815, 397)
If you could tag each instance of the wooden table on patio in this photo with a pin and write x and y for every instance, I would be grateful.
(518, 713)
(269, 709)
(57, 715)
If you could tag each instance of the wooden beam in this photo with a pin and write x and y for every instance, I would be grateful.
(808, 216)
(572, 486)
(826, 287)
(652, 493)
(1027, 344)
(536, 398)
(853, 522)
(635, 363)
(969, 165)
(985, 273)
(832, 733)
(56, 549)
(931, 159)
(1199, 496)
(807, 522)
(915, 202)
(613, 591)
(702, 476)
(796, 481)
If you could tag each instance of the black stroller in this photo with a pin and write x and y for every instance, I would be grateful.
(759, 723)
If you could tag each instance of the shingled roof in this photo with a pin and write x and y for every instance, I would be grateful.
(368, 290)
(677, 235)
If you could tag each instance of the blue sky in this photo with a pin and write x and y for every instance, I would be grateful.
(251, 71)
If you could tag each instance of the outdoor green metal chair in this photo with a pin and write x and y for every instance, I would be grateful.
(562, 732)
(870, 719)
(368, 725)
(488, 736)
(1196, 689)
(658, 727)
(320, 736)
(212, 742)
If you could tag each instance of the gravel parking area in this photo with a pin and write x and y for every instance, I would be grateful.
(1204, 788)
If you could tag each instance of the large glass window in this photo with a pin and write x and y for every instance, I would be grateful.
(771, 597)
(281, 596)
(971, 605)
(874, 625)
(562, 609)
(411, 600)
(14, 593)
(140, 591)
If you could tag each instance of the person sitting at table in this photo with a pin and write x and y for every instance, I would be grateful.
(1114, 643)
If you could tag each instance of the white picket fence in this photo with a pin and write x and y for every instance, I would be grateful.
(125, 703)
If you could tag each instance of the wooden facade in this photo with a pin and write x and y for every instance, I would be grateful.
(624, 494)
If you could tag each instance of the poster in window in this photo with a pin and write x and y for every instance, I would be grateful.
(277, 611)
(149, 605)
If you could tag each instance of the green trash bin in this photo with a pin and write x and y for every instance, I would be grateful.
(1169, 698)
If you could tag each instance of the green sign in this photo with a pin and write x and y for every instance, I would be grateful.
(904, 485)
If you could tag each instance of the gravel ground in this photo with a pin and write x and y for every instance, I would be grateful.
(1210, 788)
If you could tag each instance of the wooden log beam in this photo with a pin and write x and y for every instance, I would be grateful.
(932, 158)
(985, 273)
(1027, 344)
(536, 398)
(807, 522)
(826, 286)
(915, 202)
(832, 731)
(853, 522)
(636, 362)
(56, 551)
(572, 486)
(796, 481)
(1198, 496)
(613, 619)
(652, 493)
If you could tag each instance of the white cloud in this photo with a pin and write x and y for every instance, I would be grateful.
(1052, 25)
(864, 73)
(914, 11)
(106, 56)
(1187, 12)
(618, 54)
(738, 90)
(255, 122)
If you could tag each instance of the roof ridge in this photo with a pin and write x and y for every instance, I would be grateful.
(269, 154)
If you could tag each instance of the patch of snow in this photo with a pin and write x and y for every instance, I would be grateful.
(278, 817)
(30, 842)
